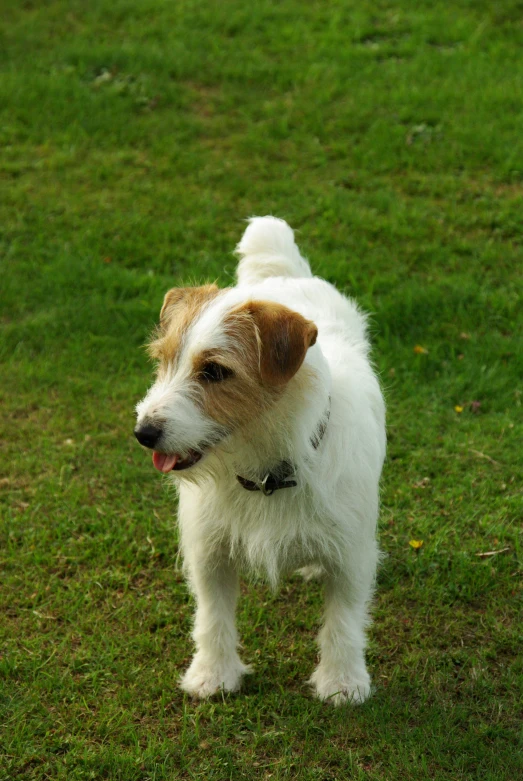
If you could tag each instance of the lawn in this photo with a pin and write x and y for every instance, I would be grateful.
(136, 136)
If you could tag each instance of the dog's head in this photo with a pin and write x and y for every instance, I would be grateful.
(222, 361)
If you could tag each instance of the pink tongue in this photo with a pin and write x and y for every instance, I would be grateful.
(164, 463)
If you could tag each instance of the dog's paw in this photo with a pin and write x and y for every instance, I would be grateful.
(205, 678)
(341, 689)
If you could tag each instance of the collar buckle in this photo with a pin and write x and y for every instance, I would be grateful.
(285, 471)
(263, 486)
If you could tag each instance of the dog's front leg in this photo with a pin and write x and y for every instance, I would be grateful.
(341, 675)
(216, 664)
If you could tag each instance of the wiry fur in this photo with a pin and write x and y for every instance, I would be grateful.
(328, 522)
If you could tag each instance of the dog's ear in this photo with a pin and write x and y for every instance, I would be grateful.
(171, 298)
(188, 296)
(283, 339)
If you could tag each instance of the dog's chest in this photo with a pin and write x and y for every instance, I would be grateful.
(273, 534)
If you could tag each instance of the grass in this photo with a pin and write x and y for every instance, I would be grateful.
(135, 138)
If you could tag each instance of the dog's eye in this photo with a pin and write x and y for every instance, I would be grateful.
(215, 372)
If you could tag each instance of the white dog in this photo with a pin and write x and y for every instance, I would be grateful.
(267, 414)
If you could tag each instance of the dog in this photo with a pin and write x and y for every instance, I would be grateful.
(267, 415)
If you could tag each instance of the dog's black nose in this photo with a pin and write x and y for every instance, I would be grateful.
(148, 435)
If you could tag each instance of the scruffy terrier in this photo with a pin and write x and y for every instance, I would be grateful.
(268, 416)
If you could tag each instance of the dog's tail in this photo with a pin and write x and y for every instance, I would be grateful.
(267, 249)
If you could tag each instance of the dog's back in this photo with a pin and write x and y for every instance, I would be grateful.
(269, 255)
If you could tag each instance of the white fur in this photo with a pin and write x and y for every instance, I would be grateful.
(328, 522)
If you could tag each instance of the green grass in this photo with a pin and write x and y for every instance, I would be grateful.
(135, 138)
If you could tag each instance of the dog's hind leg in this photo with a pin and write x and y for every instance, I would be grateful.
(311, 572)
(341, 675)
(216, 665)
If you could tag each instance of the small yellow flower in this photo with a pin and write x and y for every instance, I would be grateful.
(419, 350)
(416, 544)
(458, 409)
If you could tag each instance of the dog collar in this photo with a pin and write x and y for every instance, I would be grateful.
(279, 477)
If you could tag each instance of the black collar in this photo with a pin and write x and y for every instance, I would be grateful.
(279, 477)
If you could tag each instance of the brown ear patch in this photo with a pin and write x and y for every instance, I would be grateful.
(283, 338)
(181, 306)
(191, 297)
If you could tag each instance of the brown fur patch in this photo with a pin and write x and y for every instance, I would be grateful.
(283, 338)
(181, 305)
(237, 399)
(241, 397)
(268, 343)
(268, 346)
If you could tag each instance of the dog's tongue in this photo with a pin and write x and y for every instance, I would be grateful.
(163, 462)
